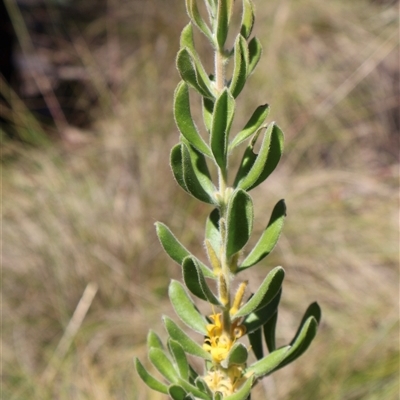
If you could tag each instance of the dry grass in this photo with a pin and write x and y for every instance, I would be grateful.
(82, 214)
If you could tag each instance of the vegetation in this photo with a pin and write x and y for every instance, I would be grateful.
(83, 275)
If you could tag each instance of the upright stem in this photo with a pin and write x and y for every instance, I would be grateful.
(220, 85)
(219, 70)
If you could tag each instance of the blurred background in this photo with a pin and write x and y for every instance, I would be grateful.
(87, 126)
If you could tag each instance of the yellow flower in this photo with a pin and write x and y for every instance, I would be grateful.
(218, 343)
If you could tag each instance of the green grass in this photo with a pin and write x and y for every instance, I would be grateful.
(75, 214)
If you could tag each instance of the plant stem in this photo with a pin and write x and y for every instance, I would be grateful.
(220, 85)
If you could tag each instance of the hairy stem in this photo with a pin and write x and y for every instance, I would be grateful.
(222, 176)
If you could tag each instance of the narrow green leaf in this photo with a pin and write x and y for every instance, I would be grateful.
(255, 339)
(193, 74)
(239, 221)
(177, 392)
(175, 249)
(195, 281)
(187, 42)
(163, 364)
(237, 355)
(208, 109)
(269, 238)
(179, 355)
(212, 230)
(193, 390)
(218, 396)
(193, 11)
(268, 289)
(202, 385)
(247, 19)
(176, 163)
(188, 344)
(193, 375)
(313, 310)
(299, 346)
(222, 22)
(254, 123)
(241, 58)
(184, 121)
(260, 318)
(186, 39)
(244, 392)
(254, 169)
(185, 309)
(302, 341)
(153, 340)
(187, 70)
(255, 51)
(274, 155)
(248, 160)
(148, 379)
(221, 124)
(197, 176)
(267, 364)
(269, 329)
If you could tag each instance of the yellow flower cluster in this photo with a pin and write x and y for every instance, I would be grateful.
(218, 343)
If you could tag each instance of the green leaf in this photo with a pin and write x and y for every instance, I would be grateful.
(176, 162)
(269, 238)
(301, 342)
(261, 317)
(274, 155)
(269, 329)
(266, 365)
(177, 392)
(239, 221)
(193, 73)
(313, 310)
(268, 289)
(185, 308)
(188, 344)
(254, 123)
(202, 385)
(306, 330)
(196, 175)
(221, 124)
(237, 355)
(223, 17)
(241, 60)
(186, 39)
(194, 390)
(187, 42)
(208, 109)
(212, 230)
(163, 364)
(218, 396)
(153, 340)
(195, 281)
(193, 11)
(243, 392)
(193, 375)
(184, 121)
(175, 249)
(255, 51)
(254, 169)
(148, 379)
(247, 19)
(255, 339)
(179, 355)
